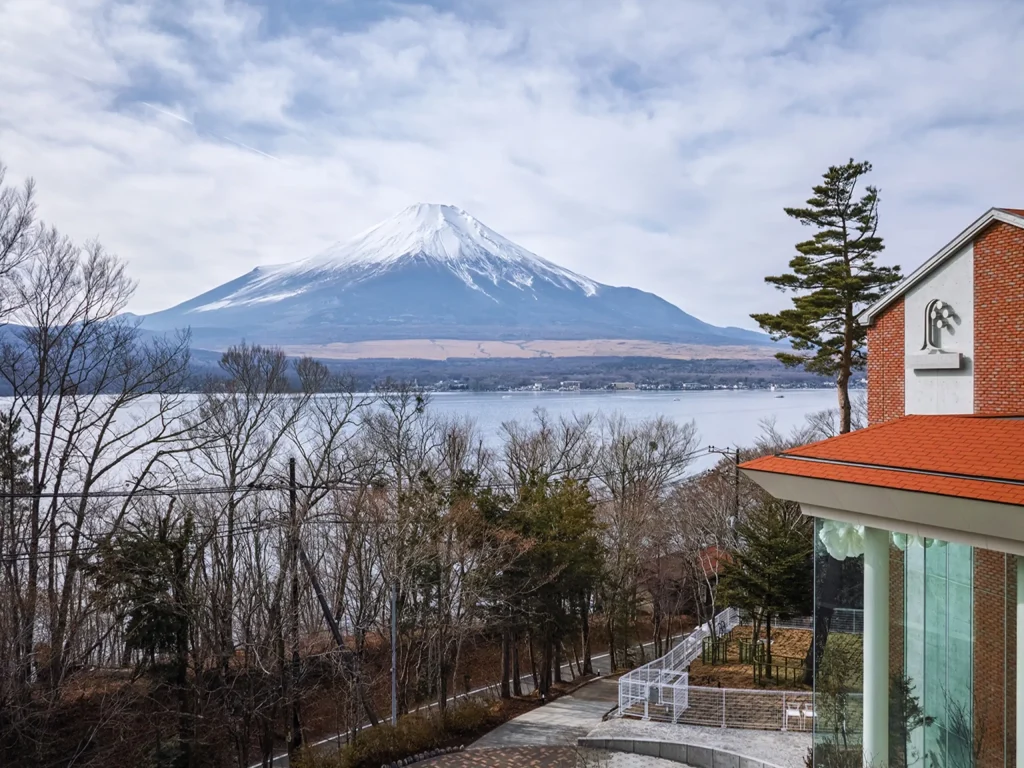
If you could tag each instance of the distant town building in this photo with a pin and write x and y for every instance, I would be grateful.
(624, 385)
(569, 386)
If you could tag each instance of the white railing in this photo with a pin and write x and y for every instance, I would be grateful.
(660, 689)
(846, 620)
(745, 708)
(664, 682)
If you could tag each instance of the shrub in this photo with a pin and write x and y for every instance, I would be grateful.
(470, 716)
(414, 733)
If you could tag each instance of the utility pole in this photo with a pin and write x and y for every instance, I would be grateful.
(736, 494)
(394, 653)
(296, 736)
(734, 457)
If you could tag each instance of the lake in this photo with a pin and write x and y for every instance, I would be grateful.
(723, 417)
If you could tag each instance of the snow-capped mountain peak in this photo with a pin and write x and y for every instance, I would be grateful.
(442, 236)
(447, 236)
(429, 272)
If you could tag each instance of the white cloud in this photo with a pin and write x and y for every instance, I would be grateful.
(644, 142)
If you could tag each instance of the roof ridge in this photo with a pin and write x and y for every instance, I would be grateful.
(1011, 216)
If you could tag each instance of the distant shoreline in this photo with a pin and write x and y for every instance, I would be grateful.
(442, 350)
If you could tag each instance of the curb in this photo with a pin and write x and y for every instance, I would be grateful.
(690, 754)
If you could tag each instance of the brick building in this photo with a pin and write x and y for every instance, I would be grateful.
(919, 520)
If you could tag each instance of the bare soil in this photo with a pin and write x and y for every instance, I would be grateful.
(733, 674)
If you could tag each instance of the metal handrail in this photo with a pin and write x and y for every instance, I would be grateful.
(667, 674)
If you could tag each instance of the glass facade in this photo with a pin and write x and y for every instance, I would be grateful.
(952, 633)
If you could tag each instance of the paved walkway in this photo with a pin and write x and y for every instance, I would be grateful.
(527, 757)
(783, 748)
(544, 757)
(559, 723)
(601, 664)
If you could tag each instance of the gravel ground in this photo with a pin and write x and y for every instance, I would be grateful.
(785, 749)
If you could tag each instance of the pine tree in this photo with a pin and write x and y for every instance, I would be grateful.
(834, 277)
(770, 576)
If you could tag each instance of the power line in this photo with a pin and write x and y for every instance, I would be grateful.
(274, 487)
(146, 492)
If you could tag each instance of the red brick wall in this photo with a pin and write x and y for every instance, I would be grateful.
(886, 352)
(995, 599)
(998, 320)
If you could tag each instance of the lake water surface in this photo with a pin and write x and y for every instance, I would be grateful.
(723, 417)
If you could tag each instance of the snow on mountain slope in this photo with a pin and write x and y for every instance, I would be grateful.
(431, 271)
(444, 234)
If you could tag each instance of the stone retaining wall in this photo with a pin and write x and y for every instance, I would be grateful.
(690, 754)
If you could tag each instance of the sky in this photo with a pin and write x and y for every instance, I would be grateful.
(650, 143)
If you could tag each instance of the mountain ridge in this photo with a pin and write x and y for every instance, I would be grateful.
(431, 271)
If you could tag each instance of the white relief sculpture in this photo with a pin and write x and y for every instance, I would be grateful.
(938, 317)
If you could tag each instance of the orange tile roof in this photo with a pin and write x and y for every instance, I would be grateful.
(1015, 211)
(975, 457)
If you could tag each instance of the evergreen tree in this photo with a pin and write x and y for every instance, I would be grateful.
(833, 276)
(770, 575)
(14, 463)
(143, 574)
(563, 561)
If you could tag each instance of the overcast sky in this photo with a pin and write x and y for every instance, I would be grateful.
(650, 143)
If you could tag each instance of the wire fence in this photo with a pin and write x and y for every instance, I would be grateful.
(662, 680)
(743, 708)
(660, 690)
(846, 620)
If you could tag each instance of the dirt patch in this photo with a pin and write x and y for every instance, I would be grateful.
(793, 643)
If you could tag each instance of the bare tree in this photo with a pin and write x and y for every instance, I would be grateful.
(636, 467)
(18, 229)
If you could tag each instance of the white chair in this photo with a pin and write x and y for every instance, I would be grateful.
(809, 713)
(793, 710)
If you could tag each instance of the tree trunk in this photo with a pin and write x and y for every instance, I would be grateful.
(558, 662)
(506, 663)
(547, 648)
(588, 664)
(843, 390)
(656, 619)
(533, 661)
(768, 643)
(517, 674)
(228, 606)
(611, 645)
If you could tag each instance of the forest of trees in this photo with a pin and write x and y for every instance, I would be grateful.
(185, 575)
(205, 575)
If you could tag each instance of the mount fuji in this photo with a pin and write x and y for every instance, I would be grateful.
(431, 272)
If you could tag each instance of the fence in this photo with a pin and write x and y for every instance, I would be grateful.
(846, 620)
(661, 685)
(733, 708)
(660, 689)
(761, 710)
